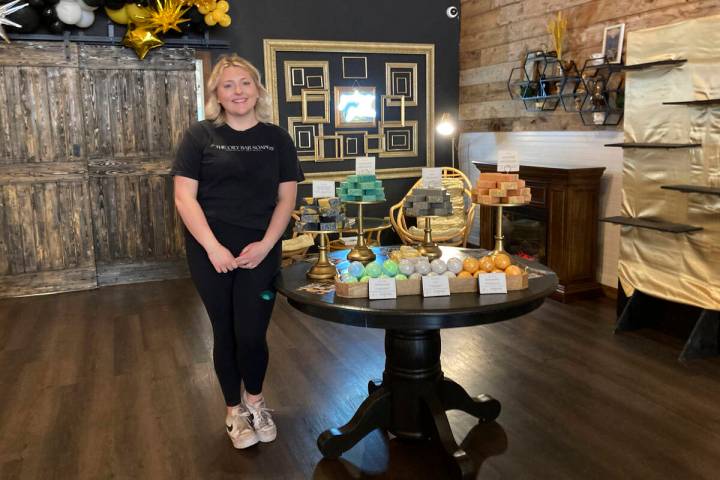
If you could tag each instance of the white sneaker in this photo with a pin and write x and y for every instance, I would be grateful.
(239, 429)
(262, 421)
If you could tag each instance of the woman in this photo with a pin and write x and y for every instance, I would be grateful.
(235, 187)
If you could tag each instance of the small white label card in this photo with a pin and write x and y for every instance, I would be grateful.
(508, 161)
(492, 283)
(323, 188)
(365, 166)
(382, 288)
(435, 286)
(432, 177)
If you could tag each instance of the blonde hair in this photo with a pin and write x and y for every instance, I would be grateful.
(214, 111)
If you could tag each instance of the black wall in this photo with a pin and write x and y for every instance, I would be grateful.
(406, 21)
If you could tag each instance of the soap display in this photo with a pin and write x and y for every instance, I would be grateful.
(361, 188)
(501, 188)
(322, 214)
(423, 202)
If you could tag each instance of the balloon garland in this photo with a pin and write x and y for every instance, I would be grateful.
(145, 19)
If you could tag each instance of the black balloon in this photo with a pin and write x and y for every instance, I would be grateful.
(49, 14)
(56, 27)
(39, 4)
(114, 4)
(27, 17)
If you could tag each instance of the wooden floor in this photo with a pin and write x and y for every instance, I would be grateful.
(118, 383)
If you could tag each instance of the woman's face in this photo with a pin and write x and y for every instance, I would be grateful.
(237, 92)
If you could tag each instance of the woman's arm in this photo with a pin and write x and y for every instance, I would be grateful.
(255, 252)
(195, 221)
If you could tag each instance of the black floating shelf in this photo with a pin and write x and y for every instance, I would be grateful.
(652, 225)
(693, 189)
(654, 145)
(699, 103)
(660, 63)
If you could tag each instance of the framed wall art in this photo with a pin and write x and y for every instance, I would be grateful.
(343, 100)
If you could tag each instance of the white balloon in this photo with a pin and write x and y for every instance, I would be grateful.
(87, 19)
(68, 12)
(85, 7)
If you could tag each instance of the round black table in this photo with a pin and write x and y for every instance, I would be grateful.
(411, 400)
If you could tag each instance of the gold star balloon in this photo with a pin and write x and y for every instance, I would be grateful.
(8, 9)
(141, 40)
(167, 15)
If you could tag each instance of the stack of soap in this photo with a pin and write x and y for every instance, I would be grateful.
(493, 188)
(423, 202)
(320, 214)
(361, 188)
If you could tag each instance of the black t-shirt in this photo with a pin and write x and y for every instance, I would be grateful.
(238, 171)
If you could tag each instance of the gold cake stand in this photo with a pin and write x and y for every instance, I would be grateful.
(323, 269)
(499, 248)
(428, 248)
(361, 252)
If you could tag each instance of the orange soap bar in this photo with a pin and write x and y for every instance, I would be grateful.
(508, 185)
(516, 199)
(482, 191)
(497, 192)
(499, 177)
(486, 184)
(486, 199)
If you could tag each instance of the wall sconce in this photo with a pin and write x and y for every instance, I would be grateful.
(446, 128)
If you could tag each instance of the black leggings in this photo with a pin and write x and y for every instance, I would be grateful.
(239, 304)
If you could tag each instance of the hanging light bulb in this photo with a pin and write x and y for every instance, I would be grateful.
(445, 126)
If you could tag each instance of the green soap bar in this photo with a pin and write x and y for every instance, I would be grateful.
(352, 178)
(354, 191)
(365, 178)
(378, 183)
(367, 185)
(369, 198)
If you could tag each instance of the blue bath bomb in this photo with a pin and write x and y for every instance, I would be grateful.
(356, 269)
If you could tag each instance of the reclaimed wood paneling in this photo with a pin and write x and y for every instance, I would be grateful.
(142, 115)
(496, 34)
(87, 136)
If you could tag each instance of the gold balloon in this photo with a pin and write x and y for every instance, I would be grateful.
(225, 21)
(167, 15)
(136, 13)
(118, 16)
(223, 6)
(141, 40)
(210, 20)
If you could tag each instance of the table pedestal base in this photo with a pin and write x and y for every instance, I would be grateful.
(411, 401)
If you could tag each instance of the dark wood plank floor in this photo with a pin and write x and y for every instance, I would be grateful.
(118, 383)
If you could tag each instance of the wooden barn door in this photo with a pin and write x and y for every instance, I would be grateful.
(46, 232)
(134, 115)
(87, 135)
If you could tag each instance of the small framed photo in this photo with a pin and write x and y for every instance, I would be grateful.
(613, 43)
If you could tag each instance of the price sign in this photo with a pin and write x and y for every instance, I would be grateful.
(365, 166)
(508, 161)
(323, 188)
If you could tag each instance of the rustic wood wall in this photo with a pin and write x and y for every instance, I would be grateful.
(87, 135)
(495, 34)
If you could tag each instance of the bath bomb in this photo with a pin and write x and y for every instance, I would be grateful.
(373, 270)
(365, 279)
(406, 267)
(356, 269)
(449, 274)
(400, 276)
(390, 268)
(414, 275)
(423, 268)
(438, 266)
(346, 277)
(432, 274)
(455, 265)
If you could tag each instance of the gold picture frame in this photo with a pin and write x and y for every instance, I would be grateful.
(274, 47)
(411, 127)
(293, 65)
(305, 97)
(391, 79)
(355, 107)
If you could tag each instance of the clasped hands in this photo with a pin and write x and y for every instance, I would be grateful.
(224, 261)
